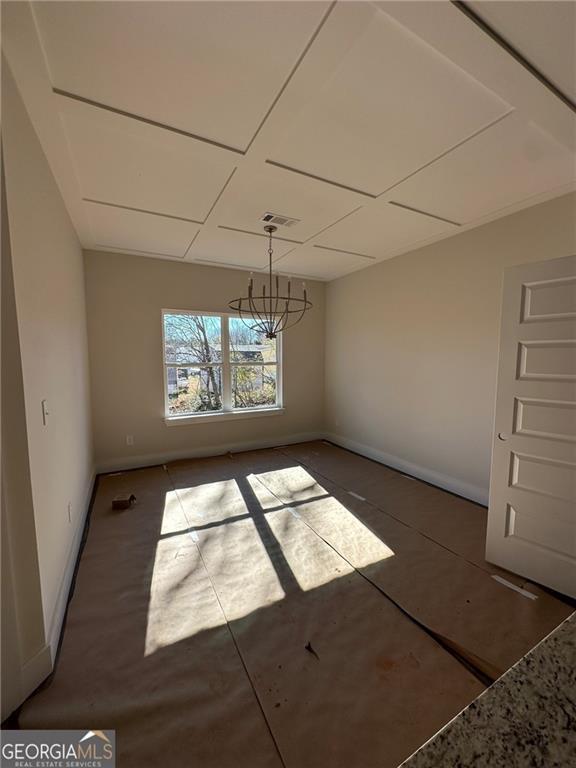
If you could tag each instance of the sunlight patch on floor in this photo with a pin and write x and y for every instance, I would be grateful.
(213, 502)
(310, 562)
(232, 547)
(181, 596)
(291, 484)
(241, 566)
(345, 532)
(173, 517)
(327, 516)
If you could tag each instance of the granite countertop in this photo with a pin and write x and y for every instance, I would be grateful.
(526, 718)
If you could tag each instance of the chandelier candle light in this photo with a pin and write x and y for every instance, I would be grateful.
(269, 312)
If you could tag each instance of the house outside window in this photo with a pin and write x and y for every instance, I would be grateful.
(214, 364)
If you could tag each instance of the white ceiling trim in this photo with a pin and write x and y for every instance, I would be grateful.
(23, 51)
(446, 28)
(343, 250)
(439, 25)
(103, 248)
(140, 210)
(74, 97)
(522, 35)
(215, 69)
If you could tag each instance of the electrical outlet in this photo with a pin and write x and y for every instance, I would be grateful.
(129, 439)
(69, 511)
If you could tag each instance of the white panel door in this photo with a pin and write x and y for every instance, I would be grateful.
(532, 515)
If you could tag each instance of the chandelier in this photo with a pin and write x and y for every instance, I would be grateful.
(267, 311)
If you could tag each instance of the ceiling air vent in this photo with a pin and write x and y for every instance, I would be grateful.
(279, 220)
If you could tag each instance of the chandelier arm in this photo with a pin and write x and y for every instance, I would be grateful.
(251, 306)
(288, 320)
(254, 328)
(255, 312)
(305, 307)
(291, 322)
(277, 295)
(285, 317)
(267, 312)
(239, 308)
(254, 323)
(241, 316)
(285, 322)
(266, 322)
(279, 325)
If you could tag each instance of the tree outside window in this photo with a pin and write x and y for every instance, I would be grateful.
(215, 363)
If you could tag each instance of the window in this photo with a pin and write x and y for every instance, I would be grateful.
(214, 364)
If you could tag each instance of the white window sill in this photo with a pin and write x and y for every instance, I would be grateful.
(197, 418)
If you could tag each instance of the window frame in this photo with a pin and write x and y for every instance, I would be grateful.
(226, 367)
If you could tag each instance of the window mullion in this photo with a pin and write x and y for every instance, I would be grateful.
(226, 369)
(255, 387)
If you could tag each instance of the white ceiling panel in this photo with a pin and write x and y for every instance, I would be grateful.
(511, 161)
(266, 188)
(321, 263)
(235, 249)
(132, 231)
(380, 229)
(168, 114)
(209, 68)
(392, 105)
(543, 32)
(120, 161)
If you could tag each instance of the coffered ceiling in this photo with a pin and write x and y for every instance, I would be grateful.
(173, 127)
(542, 32)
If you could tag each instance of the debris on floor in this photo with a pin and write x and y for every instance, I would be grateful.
(123, 501)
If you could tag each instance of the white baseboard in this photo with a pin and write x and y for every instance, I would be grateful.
(460, 487)
(59, 612)
(150, 459)
(469, 491)
(35, 671)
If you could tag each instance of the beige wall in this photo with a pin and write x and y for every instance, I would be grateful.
(48, 277)
(125, 296)
(412, 346)
(21, 617)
